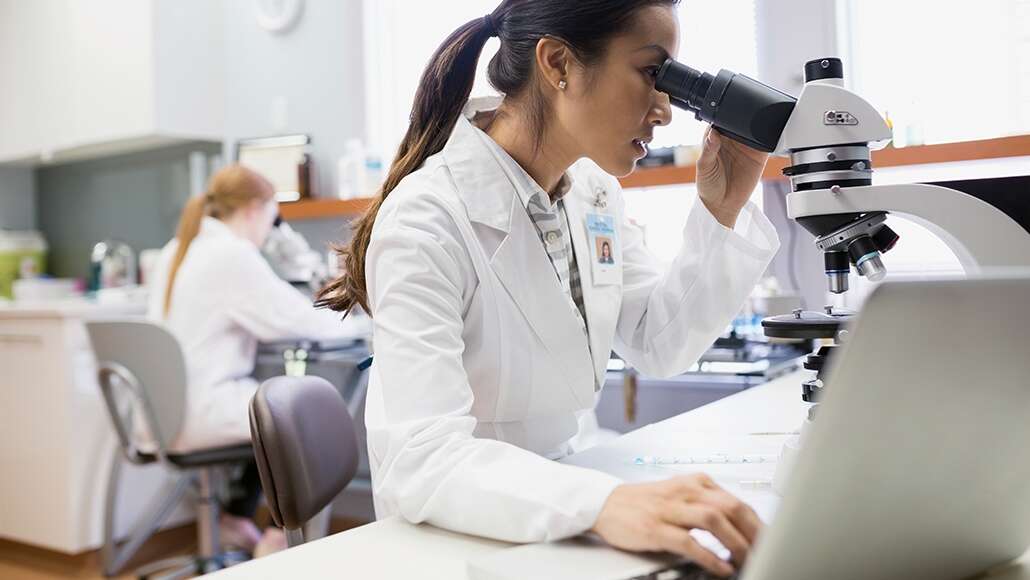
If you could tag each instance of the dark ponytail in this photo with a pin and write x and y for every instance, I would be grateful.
(585, 25)
(439, 100)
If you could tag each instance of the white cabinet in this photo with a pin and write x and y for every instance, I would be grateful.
(56, 440)
(84, 79)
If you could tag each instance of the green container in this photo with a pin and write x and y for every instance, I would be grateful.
(22, 255)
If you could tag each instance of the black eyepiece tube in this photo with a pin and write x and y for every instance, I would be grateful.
(738, 106)
(686, 86)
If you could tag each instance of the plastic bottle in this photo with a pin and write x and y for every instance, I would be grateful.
(22, 255)
(373, 175)
(351, 171)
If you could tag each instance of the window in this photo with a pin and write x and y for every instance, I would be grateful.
(713, 36)
(401, 36)
(662, 213)
(942, 72)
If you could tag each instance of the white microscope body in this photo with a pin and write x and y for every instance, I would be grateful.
(827, 114)
(828, 138)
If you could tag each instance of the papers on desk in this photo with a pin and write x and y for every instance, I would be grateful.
(741, 464)
(704, 459)
(693, 448)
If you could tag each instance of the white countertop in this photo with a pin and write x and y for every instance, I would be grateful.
(747, 422)
(70, 308)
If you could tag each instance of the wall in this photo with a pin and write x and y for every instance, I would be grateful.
(135, 198)
(17, 198)
(790, 33)
(306, 80)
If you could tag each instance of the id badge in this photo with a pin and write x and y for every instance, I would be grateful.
(604, 254)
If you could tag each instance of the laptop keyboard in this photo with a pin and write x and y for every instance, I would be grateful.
(685, 571)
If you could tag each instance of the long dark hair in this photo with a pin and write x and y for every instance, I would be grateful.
(586, 26)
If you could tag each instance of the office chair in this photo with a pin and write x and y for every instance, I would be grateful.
(142, 370)
(305, 446)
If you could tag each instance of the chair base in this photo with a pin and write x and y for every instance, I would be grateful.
(210, 557)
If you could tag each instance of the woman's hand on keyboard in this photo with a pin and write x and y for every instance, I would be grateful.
(658, 516)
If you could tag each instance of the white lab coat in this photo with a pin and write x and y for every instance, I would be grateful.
(227, 298)
(482, 373)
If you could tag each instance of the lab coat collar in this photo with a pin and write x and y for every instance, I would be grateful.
(210, 226)
(481, 181)
(490, 195)
(214, 227)
(486, 176)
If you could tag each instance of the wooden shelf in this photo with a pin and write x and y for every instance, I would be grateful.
(323, 208)
(1001, 147)
(657, 176)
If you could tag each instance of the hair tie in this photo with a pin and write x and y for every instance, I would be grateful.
(491, 28)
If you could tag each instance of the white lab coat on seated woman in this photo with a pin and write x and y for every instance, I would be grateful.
(227, 298)
(482, 373)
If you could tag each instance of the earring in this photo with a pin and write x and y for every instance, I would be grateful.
(562, 84)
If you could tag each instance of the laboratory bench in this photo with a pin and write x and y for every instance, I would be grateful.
(731, 365)
(753, 421)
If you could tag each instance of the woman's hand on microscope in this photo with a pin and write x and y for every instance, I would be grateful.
(657, 516)
(727, 173)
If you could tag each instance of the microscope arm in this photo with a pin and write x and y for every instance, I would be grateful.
(828, 133)
(979, 234)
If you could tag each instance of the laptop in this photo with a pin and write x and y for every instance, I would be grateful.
(917, 464)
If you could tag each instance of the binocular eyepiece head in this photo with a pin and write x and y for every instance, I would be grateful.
(738, 106)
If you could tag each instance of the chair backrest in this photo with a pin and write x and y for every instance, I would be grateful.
(145, 360)
(305, 446)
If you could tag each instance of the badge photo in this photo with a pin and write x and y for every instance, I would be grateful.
(604, 254)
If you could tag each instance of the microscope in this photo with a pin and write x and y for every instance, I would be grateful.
(292, 258)
(828, 134)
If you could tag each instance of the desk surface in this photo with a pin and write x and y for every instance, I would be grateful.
(752, 421)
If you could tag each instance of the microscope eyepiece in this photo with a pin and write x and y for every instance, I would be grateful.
(739, 107)
(685, 86)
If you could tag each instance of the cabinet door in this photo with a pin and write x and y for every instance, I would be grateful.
(32, 75)
(74, 74)
(87, 78)
(110, 72)
(35, 427)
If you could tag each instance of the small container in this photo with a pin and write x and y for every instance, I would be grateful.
(112, 265)
(373, 175)
(22, 255)
(351, 171)
(304, 177)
